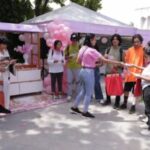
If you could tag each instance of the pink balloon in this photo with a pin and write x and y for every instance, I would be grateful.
(46, 36)
(21, 37)
(61, 26)
(49, 42)
(56, 34)
(51, 26)
(27, 38)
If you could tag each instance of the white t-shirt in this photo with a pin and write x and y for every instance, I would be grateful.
(4, 75)
(4, 54)
(56, 67)
(146, 72)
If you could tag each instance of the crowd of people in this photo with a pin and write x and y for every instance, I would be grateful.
(83, 64)
(83, 73)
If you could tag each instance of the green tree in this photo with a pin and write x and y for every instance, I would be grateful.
(15, 11)
(43, 6)
(91, 4)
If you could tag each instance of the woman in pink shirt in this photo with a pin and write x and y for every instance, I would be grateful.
(89, 58)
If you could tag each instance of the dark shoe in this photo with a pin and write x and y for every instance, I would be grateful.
(87, 114)
(76, 110)
(116, 106)
(4, 110)
(107, 102)
(123, 106)
(132, 109)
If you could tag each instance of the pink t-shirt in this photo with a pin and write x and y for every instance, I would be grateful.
(88, 56)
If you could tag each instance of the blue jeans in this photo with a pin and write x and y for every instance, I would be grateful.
(86, 77)
(73, 78)
(97, 86)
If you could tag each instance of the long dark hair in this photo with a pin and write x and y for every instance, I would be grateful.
(3, 40)
(56, 42)
(118, 38)
(88, 39)
(138, 36)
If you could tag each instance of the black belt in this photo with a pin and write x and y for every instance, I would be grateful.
(84, 67)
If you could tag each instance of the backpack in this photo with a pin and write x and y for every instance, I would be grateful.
(120, 50)
(53, 53)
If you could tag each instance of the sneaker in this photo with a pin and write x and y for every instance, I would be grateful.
(4, 110)
(116, 106)
(76, 110)
(60, 96)
(55, 97)
(123, 106)
(87, 114)
(132, 109)
(69, 98)
(107, 102)
(101, 101)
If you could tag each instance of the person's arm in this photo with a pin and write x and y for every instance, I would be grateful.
(147, 78)
(109, 61)
(4, 62)
(50, 59)
(63, 61)
(138, 67)
(13, 61)
(78, 60)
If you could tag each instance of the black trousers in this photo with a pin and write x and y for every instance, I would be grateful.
(56, 78)
(146, 97)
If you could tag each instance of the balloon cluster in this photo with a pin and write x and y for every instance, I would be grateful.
(25, 37)
(27, 47)
(57, 31)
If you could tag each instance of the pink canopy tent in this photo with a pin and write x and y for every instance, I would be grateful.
(81, 19)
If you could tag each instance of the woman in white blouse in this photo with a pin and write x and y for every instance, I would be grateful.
(56, 61)
(4, 73)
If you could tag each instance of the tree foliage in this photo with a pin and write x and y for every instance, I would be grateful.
(43, 6)
(91, 4)
(15, 10)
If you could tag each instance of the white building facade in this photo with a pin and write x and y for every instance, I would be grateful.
(142, 18)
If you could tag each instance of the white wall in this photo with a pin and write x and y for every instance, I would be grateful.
(142, 18)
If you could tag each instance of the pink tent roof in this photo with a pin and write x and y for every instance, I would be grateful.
(12, 27)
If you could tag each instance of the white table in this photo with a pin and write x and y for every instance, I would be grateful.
(26, 81)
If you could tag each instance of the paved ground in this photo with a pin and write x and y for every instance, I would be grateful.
(56, 128)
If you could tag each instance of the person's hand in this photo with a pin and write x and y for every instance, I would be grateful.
(122, 64)
(55, 61)
(106, 56)
(129, 65)
(5, 62)
(136, 74)
(2, 69)
(13, 61)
